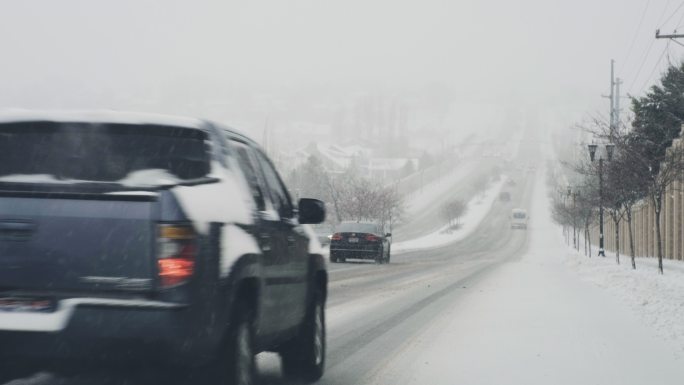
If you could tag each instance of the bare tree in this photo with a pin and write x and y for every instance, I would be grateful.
(659, 180)
(453, 210)
(625, 179)
(358, 199)
(625, 182)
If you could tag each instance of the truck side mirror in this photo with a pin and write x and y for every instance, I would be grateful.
(311, 211)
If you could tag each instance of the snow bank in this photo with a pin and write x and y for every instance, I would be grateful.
(478, 207)
(657, 299)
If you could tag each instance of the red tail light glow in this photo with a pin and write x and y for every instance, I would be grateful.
(336, 237)
(177, 251)
(372, 238)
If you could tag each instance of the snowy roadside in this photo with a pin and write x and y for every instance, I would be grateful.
(658, 300)
(478, 207)
(535, 322)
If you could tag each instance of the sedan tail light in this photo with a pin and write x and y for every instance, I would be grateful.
(372, 238)
(176, 254)
(336, 237)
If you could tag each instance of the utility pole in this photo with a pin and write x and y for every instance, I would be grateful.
(601, 252)
(617, 102)
(670, 36)
(612, 95)
(613, 120)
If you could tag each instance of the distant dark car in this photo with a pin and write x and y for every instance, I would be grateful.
(360, 240)
(130, 239)
(505, 196)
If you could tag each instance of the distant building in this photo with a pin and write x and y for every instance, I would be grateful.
(338, 158)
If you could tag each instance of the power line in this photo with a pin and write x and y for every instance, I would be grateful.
(648, 50)
(670, 37)
(679, 23)
(648, 79)
(641, 66)
(664, 10)
(636, 33)
(672, 14)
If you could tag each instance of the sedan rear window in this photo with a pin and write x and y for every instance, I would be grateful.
(354, 227)
(127, 154)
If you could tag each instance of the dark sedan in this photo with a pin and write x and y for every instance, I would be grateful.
(360, 240)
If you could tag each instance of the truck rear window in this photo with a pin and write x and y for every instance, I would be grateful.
(128, 154)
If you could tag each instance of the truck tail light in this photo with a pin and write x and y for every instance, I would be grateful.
(176, 254)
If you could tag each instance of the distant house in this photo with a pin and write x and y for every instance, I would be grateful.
(388, 168)
(337, 158)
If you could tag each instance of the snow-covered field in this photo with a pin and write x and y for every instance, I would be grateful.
(478, 207)
(657, 299)
(424, 197)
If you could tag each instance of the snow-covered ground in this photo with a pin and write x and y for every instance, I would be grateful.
(532, 321)
(478, 207)
(657, 299)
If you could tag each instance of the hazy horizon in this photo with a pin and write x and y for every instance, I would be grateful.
(238, 60)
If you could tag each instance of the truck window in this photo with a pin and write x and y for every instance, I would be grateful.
(245, 159)
(279, 195)
(131, 155)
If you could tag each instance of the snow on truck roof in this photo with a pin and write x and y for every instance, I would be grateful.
(98, 116)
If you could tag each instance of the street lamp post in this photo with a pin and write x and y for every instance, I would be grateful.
(592, 155)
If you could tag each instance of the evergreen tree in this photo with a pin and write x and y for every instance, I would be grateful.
(658, 118)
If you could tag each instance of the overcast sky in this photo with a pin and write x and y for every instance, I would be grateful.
(535, 50)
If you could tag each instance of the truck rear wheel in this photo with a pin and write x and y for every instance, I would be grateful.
(235, 362)
(304, 357)
(240, 357)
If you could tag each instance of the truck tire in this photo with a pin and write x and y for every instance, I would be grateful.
(304, 357)
(240, 363)
(235, 363)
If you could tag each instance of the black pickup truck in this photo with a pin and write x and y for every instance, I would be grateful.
(131, 239)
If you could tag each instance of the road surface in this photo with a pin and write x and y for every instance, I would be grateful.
(375, 311)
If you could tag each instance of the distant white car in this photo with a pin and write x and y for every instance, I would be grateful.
(519, 219)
